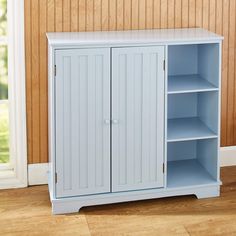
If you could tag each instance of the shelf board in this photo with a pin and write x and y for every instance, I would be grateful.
(182, 129)
(187, 173)
(189, 84)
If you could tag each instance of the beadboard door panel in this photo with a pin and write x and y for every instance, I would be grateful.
(82, 96)
(137, 117)
(43, 16)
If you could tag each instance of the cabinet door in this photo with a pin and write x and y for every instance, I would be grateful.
(82, 96)
(138, 118)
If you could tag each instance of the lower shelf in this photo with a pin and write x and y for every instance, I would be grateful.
(187, 173)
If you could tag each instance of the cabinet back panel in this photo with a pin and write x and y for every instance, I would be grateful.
(182, 59)
(182, 105)
(177, 151)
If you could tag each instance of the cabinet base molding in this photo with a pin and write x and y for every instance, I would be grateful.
(228, 156)
(74, 204)
(37, 174)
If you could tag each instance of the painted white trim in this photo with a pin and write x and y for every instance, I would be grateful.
(38, 174)
(16, 177)
(228, 156)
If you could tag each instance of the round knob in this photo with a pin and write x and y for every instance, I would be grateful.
(114, 121)
(107, 121)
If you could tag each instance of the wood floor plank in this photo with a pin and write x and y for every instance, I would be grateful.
(28, 212)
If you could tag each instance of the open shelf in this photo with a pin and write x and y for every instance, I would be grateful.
(187, 173)
(188, 84)
(193, 128)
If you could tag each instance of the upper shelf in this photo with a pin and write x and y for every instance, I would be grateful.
(157, 36)
(188, 84)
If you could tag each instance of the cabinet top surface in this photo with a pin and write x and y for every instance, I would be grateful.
(156, 36)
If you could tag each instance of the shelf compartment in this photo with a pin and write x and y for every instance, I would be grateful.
(193, 128)
(192, 162)
(187, 173)
(192, 116)
(198, 59)
(188, 84)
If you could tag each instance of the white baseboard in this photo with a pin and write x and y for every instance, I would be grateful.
(228, 156)
(37, 173)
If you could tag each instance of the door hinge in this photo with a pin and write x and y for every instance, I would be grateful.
(55, 177)
(55, 70)
(164, 65)
(163, 167)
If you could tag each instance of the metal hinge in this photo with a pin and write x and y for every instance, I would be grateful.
(164, 65)
(55, 177)
(163, 167)
(55, 70)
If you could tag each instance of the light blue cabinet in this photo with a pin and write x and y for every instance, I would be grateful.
(133, 115)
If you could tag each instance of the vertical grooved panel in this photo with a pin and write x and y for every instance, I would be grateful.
(82, 136)
(212, 15)
(135, 14)
(171, 14)
(192, 13)
(224, 85)
(35, 71)
(28, 72)
(142, 14)
(231, 74)
(119, 14)
(157, 14)
(66, 15)
(122, 148)
(89, 15)
(149, 14)
(138, 71)
(83, 121)
(205, 14)
(199, 13)
(105, 14)
(178, 13)
(127, 14)
(82, 15)
(164, 15)
(185, 16)
(67, 114)
(59, 15)
(43, 81)
(112, 15)
(137, 156)
(74, 15)
(97, 15)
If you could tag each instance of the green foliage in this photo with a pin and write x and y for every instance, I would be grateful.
(4, 134)
(4, 123)
(3, 17)
(3, 72)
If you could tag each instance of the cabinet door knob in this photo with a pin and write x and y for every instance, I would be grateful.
(114, 121)
(107, 121)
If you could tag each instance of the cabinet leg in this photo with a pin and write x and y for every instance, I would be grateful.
(208, 193)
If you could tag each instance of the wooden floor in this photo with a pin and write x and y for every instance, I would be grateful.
(27, 212)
